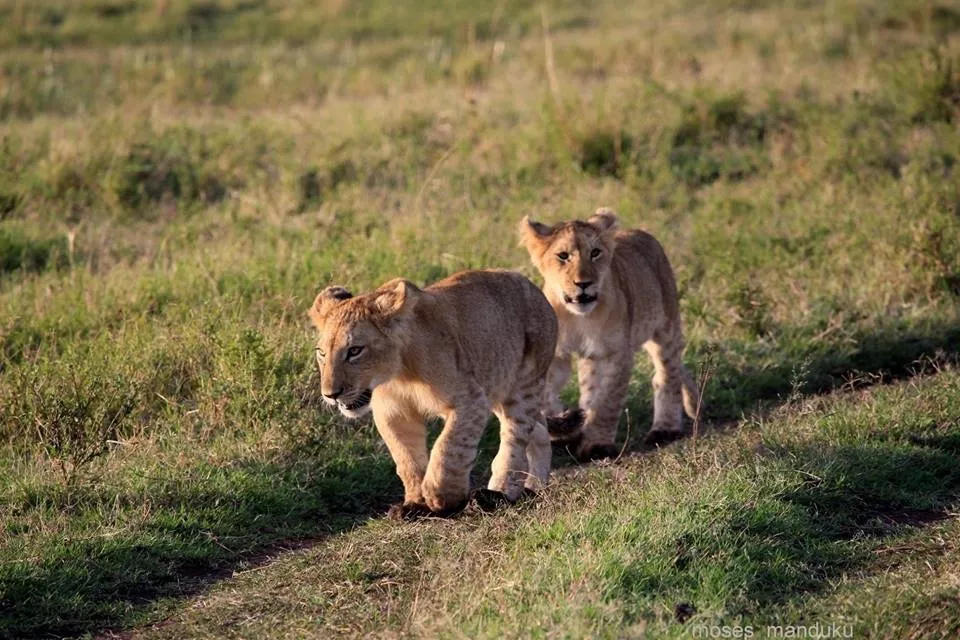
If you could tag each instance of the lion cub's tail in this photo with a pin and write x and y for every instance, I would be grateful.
(566, 427)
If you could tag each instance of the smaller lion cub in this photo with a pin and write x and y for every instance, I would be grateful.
(476, 342)
(614, 292)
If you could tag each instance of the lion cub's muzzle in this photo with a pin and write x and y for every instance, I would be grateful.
(356, 405)
(583, 298)
(583, 301)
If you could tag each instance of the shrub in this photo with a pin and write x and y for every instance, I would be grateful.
(719, 139)
(605, 153)
(175, 167)
(108, 10)
(937, 96)
(752, 309)
(21, 252)
(314, 183)
(73, 416)
(10, 202)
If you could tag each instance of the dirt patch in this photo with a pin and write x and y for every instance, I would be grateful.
(198, 577)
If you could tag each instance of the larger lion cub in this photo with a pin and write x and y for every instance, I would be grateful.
(476, 342)
(614, 292)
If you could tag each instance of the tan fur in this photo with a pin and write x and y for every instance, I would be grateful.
(626, 299)
(476, 342)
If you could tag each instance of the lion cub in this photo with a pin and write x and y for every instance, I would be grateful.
(614, 291)
(474, 342)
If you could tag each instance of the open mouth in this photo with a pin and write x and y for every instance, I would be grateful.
(583, 299)
(359, 402)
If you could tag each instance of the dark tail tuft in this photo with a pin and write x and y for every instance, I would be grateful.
(662, 437)
(565, 426)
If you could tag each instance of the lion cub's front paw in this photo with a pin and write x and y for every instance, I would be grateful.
(444, 503)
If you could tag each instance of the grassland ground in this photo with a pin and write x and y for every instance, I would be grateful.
(179, 178)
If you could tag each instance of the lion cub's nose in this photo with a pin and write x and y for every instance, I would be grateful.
(584, 284)
(333, 396)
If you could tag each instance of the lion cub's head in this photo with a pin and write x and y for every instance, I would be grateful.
(574, 257)
(359, 340)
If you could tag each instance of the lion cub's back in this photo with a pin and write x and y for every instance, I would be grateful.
(501, 318)
(644, 272)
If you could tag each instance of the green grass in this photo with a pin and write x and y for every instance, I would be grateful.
(777, 522)
(178, 180)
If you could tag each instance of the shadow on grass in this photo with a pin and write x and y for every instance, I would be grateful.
(797, 366)
(760, 548)
(178, 533)
(791, 368)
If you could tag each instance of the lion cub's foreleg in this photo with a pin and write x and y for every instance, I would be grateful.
(446, 484)
(405, 435)
(604, 383)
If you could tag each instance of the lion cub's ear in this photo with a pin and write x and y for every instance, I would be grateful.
(395, 299)
(325, 301)
(604, 219)
(534, 235)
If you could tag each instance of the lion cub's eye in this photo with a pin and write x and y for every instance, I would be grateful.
(353, 352)
(595, 254)
(320, 353)
(563, 256)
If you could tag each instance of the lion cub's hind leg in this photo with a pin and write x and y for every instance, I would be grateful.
(668, 380)
(446, 484)
(523, 460)
(539, 454)
(557, 377)
(509, 467)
